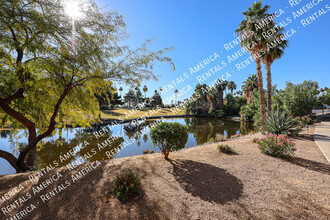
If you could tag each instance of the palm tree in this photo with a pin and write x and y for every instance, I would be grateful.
(232, 86)
(145, 90)
(220, 87)
(121, 93)
(250, 84)
(160, 90)
(176, 94)
(253, 41)
(225, 86)
(273, 53)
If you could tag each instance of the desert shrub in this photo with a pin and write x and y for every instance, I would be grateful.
(276, 145)
(126, 185)
(306, 120)
(169, 137)
(224, 148)
(279, 123)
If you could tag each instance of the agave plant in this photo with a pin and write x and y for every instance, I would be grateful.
(278, 122)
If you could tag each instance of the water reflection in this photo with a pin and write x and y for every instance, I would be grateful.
(201, 130)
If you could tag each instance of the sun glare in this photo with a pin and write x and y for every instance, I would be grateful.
(72, 8)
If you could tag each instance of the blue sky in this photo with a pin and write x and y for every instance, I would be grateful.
(200, 28)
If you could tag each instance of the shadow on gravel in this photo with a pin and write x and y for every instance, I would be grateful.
(207, 182)
(311, 165)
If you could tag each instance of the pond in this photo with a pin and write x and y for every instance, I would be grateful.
(132, 142)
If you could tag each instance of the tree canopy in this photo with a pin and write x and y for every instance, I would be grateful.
(50, 70)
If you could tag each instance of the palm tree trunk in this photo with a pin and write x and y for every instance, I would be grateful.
(269, 87)
(261, 89)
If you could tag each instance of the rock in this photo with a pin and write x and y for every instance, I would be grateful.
(148, 152)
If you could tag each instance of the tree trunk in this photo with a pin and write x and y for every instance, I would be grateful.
(31, 157)
(11, 160)
(261, 89)
(269, 88)
(220, 98)
(166, 153)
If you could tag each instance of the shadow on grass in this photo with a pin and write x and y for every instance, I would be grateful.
(207, 182)
(112, 113)
(309, 164)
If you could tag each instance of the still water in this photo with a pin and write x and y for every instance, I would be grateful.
(131, 142)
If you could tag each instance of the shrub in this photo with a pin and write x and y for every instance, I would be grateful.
(169, 137)
(126, 185)
(224, 148)
(276, 145)
(248, 112)
(300, 99)
(211, 140)
(306, 120)
(279, 123)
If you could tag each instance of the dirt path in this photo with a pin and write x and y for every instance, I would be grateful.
(198, 183)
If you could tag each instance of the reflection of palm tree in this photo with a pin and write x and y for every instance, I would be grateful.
(203, 128)
(101, 153)
(53, 149)
(145, 138)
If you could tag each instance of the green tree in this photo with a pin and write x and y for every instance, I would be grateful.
(300, 99)
(232, 86)
(249, 85)
(156, 99)
(253, 41)
(49, 70)
(121, 93)
(273, 52)
(176, 92)
(130, 97)
(169, 137)
(138, 96)
(145, 90)
(115, 99)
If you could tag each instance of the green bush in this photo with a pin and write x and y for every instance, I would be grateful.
(233, 105)
(224, 148)
(300, 99)
(306, 120)
(211, 140)
(126, 185)
(248, 112)
(276, 145)
(169, 137)
(279, 123)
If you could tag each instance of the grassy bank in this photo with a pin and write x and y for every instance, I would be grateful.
(126, 114)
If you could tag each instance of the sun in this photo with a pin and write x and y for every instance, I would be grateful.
(72, 9)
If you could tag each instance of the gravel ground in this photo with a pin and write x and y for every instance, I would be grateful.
(197, 183)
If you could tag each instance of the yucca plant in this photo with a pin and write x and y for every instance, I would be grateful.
(278, 122)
